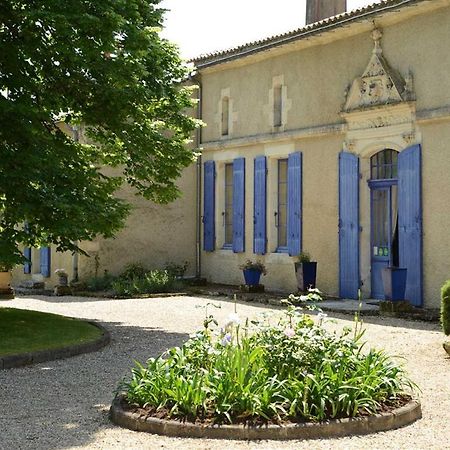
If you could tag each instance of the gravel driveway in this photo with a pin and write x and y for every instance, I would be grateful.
(64, 404)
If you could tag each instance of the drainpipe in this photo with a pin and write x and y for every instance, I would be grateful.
(76, 138)
(198, 141)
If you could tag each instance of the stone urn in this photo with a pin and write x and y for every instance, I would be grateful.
(6, 291)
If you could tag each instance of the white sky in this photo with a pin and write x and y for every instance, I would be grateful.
(204, 26)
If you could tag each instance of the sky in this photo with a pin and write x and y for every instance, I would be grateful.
(204, 26)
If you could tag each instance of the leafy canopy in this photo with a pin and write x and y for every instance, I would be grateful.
(102, 67)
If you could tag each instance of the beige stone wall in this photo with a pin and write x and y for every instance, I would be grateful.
(154, 234)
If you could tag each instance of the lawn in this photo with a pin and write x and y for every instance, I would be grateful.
(25, 331)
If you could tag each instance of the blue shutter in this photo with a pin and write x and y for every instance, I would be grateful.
(209, 191)
(294, 204)
(259, 206)
(238, 205)
(27, 265)
(45, 261)
(348, 225)
(410, 221)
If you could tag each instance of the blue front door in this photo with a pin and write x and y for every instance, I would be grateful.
(384, 233)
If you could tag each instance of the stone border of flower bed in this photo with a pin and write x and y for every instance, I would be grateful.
(26, 359)
(397, 418)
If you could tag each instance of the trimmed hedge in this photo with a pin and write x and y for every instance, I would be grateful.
(445, 307)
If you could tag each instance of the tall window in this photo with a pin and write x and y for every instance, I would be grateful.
(225, 116)
(277, 106)
(281, 214)
(228, 213)
(383, 165)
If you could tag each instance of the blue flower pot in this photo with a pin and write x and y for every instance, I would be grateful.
(306, 275)
(394, 283)
(252, 277)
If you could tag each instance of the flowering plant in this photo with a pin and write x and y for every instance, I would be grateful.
(61, 273)
(257, 265)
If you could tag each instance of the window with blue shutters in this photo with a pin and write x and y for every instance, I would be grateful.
(294, 206)
(27, 255)
(281, 212)
(239, 205)
(260, 206)
(209, 192)
(227, 214)
(45, 261)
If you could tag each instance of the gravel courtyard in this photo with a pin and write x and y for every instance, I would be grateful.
(64, 404)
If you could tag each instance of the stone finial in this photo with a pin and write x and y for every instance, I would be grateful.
(377, 34)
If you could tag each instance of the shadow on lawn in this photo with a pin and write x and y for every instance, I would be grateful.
(65, 403)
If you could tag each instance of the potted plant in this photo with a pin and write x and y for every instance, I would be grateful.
(6, 291)
(305, 271)
(252, 272)
(394, 283)
(445, 313)
(62, 277)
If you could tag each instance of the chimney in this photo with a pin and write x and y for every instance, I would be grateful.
(317, 10)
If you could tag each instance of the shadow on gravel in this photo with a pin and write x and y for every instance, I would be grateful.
(64, 404)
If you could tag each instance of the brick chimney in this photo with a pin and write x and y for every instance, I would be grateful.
(322, 9)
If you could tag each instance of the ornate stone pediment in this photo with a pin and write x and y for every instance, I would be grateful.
(379, 85)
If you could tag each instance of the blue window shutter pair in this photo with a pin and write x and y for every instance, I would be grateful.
(45, 262)
(238, 205)
(410, 221)
(294, 204)
(259, 205)
(348, 225)
(209, 231)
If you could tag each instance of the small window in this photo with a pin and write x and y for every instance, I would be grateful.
(277, 106)
(225, 116)
(281, 214)
(383, 165)
(228, 213)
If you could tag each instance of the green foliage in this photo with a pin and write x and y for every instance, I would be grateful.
(304, 257)
(100, 283)
(292, 370)
(176, 270)
(99, 71)
(254, 265)
(445, 307)
(154, 281)
(133, 271)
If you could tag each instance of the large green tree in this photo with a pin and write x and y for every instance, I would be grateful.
(102, 64)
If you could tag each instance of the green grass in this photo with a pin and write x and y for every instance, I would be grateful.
(25, 331)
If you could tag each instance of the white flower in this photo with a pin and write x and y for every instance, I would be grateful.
(322, 316)
(233, 319)
(304, 298)
(289, 332)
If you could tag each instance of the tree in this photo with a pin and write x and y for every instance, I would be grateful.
(97, 63)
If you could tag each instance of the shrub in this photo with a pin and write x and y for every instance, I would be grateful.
(176, 270)
(291, 370)
(100, 283)
(445, 308)
(155, 281)
(133, 271)
(304, 257)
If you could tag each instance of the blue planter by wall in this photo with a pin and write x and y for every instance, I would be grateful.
(306, 275)
(252, 277)
(394, 283)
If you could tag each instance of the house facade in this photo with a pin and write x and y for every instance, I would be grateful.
(333, 139)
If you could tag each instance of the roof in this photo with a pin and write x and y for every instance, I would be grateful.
(370, 11)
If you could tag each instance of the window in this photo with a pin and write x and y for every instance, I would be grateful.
(281, 214)
(228, 212)
(383, 165)
(225, 116)
(278, 106)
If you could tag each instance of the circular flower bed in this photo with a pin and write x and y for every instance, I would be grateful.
(271, 371)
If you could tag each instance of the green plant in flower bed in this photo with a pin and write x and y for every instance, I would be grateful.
(154, 281)
(288, 370)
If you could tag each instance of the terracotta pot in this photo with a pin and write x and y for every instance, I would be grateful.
(5, 280)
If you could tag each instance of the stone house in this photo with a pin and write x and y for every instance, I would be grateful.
(331, 139)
